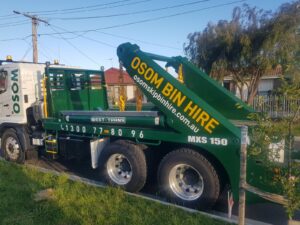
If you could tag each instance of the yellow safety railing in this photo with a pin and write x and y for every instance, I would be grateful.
(45, 97)
(122, 95)
(180, 74)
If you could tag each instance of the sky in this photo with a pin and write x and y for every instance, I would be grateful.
(157, 26)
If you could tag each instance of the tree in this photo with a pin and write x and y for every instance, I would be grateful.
(289, 179)
(246, 47)
(286, 176)
(275, 133)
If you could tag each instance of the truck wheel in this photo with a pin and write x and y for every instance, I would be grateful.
(124, 166)
(187, 178)
(11, 147)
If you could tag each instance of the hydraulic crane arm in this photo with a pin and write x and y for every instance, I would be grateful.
(188, 107)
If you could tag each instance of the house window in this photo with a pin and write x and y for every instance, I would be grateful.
(3, 81)
(265, 87)
(113, 94)
(110, 95)
(130, 93)
(116, 94)
(226, 85)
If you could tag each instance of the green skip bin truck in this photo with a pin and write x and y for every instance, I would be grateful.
(187, 141)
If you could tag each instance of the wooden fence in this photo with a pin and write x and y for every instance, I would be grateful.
(276, 106)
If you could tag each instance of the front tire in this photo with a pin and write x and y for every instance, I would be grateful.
(11, 147)
(124, 166)
(187, 178)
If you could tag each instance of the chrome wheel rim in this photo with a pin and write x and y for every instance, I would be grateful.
(119, 169)
(186, 182)
(12, 148)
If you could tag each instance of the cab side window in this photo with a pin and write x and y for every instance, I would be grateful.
(3, 81)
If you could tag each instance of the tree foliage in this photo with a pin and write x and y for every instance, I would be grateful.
(248, 46)
(269, 132)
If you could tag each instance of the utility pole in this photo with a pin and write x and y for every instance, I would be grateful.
(243, 174)
(35, 21)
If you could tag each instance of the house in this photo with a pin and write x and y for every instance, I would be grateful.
(267, 84)
(112, 78)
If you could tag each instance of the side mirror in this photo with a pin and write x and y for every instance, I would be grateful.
(3, 81)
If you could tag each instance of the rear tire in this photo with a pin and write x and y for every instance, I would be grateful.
(11, 147)
(187, 178)
(124, 166)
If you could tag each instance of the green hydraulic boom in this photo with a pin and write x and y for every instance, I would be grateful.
(197, 104)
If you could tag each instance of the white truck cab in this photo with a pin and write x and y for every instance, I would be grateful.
(20, 88)
(21, 104)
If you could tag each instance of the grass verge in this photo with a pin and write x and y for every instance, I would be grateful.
(77, 203)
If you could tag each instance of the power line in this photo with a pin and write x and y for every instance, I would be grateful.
(45, 55)
(40, 51)
(148, 20)
(108, 6)
(172, 15)
(113, 35)
(137, 40)
(9, 16)
(126, 24)
(15, 39)
(77, 49)
(83, 7)
(13, 25)
(94, 40)
(27, 51)
(34, 21)
(118, 36)
(79, 9)
(130, 13)
(100, 42)
(123, 37)
(15, 22)
(51, 52)
(85, 37)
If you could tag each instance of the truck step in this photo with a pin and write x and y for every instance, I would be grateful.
(51, 146)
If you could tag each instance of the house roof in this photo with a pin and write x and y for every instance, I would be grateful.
(270, 74)
(112, 77)
(277, 71)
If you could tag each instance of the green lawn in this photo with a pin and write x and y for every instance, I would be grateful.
(76, 203)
